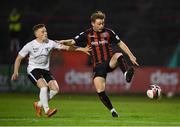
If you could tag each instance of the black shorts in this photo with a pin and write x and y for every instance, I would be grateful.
(36, 74)
(102, 69)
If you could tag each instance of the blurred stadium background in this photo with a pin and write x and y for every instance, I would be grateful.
(149, 27)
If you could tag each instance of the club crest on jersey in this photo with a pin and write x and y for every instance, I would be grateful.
(35, 49)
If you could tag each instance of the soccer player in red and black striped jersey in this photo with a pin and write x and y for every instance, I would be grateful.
(105, 60)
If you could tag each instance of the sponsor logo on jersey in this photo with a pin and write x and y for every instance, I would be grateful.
(98, 42)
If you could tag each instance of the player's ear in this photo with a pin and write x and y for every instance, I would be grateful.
(35, 33)
(92, 23)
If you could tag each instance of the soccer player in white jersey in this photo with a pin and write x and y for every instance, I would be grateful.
(38, 67)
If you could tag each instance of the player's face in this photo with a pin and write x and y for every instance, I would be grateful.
(41, 34)
(98, 25)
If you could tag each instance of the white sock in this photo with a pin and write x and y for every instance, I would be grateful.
(39, 103)
(113, 110)
(51, 94)
(44, 98)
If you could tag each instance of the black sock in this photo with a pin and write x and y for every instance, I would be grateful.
(122, 64)
(105, 100)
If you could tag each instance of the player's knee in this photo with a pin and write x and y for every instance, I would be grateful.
(117, 55)
(114, 60)
(100, 90)
(57, 89)
(53, 85)
(41, 83)
(100, 86)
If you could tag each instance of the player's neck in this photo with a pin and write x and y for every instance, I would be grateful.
(96, 30)
(39, 40)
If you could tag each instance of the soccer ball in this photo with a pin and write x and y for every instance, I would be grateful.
(154, 92)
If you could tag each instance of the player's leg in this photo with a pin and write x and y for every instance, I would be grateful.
(36, 78)
(118, 60)
(99, 83)
(53, 89)
(52, 84)
(43, 95)
(42, 84)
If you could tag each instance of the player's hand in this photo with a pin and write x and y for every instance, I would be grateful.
(60, 41)
(133, 60)
(86, 50)
(14, 76)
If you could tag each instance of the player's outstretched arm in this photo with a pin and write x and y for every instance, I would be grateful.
(66, 42)
(16, 67)
(76, 48)
(124, 47)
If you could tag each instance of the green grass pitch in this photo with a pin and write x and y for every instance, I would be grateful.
(87, 110)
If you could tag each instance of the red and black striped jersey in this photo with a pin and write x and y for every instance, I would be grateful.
(100, 43)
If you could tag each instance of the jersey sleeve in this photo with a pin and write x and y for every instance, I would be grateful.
(81, 39)
(25, 50)
(58, 46)
(114, 37)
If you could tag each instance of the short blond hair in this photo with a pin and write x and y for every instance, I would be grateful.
(97, 15)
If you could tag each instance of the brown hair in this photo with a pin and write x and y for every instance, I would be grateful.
(38, 26)
(97, 15)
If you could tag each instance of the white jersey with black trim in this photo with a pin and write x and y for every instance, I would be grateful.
(39, 53)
